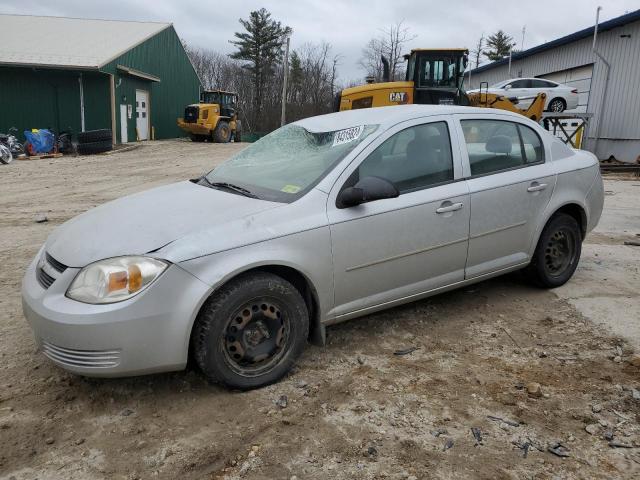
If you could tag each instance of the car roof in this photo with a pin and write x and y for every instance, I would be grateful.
(530, 78)
(387, 117)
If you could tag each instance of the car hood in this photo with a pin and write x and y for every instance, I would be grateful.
(147, 221)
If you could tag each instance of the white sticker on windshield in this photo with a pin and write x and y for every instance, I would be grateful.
(347, 135)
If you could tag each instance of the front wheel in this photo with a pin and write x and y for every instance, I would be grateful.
(557, 253)
(222, 133)
(251, 331)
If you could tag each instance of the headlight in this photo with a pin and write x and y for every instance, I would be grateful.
(115, 279)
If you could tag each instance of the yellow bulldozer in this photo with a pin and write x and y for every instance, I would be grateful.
(433, 77)
(214, 119)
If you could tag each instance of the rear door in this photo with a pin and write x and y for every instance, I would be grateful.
(397, 248)
(546, 87)
(510, 184)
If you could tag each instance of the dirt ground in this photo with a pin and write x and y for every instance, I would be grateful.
(352, 409)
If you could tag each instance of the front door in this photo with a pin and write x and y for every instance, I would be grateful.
(510, 186)
(142, 114)
(393, 249)
(124, 136)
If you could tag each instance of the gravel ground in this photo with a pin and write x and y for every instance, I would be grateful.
(502, 373)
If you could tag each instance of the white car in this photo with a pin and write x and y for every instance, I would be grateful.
(560, 97)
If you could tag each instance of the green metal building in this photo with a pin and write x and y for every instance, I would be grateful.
(134, 78)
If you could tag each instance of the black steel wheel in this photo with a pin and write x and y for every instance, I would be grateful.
(251, 331)
(557, 105)
(558, 252)
(255, 337)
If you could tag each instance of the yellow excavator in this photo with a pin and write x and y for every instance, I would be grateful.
(433, 77)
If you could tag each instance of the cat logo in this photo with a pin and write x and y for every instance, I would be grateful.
(398, 97)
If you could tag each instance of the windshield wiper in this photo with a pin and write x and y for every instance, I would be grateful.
(230, 186)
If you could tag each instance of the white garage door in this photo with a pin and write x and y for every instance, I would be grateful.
(580, 78)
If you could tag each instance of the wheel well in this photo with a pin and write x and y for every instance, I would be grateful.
(578, 213)
(306, 289)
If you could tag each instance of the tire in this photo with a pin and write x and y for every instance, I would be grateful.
(557, 105)
(255, 315)
(557, 254)
(95, 147)
(238, 134)
(197, 138)
(222, 133)
(93, 136)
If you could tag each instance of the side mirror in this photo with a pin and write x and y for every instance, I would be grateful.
(366, 190)
(507, 87)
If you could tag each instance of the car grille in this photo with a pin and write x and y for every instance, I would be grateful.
(191, 114)
(44, 278)
(81, 358)
(47, 270)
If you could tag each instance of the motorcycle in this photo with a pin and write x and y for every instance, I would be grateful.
(10, 147)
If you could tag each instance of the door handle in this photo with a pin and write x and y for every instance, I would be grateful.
(536, 187)
(451, 207)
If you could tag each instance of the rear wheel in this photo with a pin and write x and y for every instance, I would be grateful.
(237, 137)
(557, 105)
(222, 133)
(557, 253)
(250, 332)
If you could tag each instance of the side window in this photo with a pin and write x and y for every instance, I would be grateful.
(521, 84)
(542, 84)
(414, 158)
(532, 145)
(493, 145)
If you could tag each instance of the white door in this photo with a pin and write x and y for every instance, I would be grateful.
(142, 114)
(124, 137)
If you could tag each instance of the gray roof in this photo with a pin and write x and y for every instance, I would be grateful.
(62, 42)
(579, 35)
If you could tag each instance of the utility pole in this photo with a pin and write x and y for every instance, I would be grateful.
(284, 83)
(524, 29)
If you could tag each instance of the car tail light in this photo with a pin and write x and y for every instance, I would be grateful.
(575, 90)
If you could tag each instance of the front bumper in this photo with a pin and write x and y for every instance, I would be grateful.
(196, 128)
(145, 334)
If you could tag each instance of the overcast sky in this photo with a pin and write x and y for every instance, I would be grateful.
(346, 25)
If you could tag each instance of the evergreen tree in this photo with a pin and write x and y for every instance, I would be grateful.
(296, 75)
(261, 46)
(499, 45)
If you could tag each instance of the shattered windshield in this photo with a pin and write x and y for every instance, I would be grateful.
(288, 162)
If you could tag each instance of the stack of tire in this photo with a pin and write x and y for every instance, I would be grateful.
(95, 141)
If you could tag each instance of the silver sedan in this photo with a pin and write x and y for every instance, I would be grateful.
(326, 219)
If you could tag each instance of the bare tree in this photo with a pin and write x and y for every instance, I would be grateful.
(390, 44)
(477, 52)
(313, 74)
